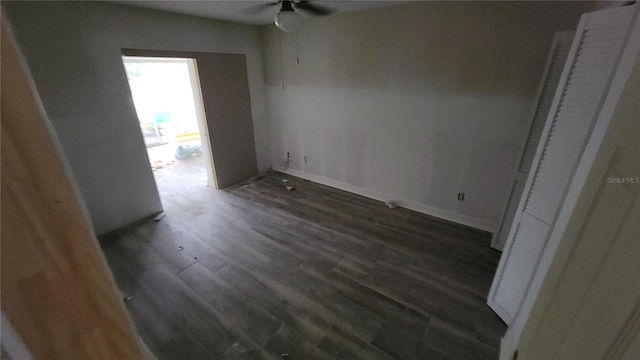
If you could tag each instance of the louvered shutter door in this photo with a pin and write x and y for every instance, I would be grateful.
(562, 47)
(555, 63)
(599, 41)
(572, 124)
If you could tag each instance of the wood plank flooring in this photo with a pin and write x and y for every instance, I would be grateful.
(259, 272)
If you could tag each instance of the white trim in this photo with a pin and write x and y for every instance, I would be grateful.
(407, 204)
(203, 126)
(502, 313)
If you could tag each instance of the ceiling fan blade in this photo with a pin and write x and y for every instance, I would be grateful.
(255, 9)
(312, 8)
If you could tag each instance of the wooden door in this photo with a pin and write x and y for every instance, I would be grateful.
(57, 291)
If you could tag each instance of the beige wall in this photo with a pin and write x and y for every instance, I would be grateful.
(416, 102)
(74, 52)
(439, 47)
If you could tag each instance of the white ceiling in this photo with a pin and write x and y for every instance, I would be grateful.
(231, 10)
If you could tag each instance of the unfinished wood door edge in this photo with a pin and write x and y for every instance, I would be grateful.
(68, 248)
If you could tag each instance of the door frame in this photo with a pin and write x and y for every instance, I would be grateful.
(203, 127)
(226, 94)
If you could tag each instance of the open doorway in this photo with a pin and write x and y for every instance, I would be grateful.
(168, 101)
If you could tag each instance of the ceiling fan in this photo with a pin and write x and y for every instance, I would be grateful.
(288, 19)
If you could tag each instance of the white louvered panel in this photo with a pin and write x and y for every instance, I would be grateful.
(608, 33)
(552, 177)
(578, 76)
(605, 33)
(572, 123)
(597, 44)
(564, 146)
(524, 253)
(577, 93)
(595, 37)
(566, 129)
(564, 137)
(548, 190)
(577, 96)
(594, 45)
(591, 62)
(596, 54)
(559, 161)
(601, 58)
(572, 101)
(578, 79)
(599, 53)
(588, 64)
(571, 114)
(596, 59)
(542, 110)
(573, 111)
(577, 89)
(549, 180)
(546, 92)
(592, 41)
(587, 82)
(546, 193)
(563, 134)
(573, 117)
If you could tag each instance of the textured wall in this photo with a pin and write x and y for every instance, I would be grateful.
(418, 101)
(74, 52)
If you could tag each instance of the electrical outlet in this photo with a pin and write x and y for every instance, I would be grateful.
(460, 196)
(288, 160)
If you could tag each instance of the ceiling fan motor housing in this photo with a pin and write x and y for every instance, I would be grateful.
(287, 19)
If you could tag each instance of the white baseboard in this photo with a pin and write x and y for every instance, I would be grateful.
(407, 204)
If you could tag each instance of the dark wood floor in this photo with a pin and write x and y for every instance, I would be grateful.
(257, 272)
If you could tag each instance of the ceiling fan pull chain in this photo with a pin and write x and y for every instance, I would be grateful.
(297, 52)
(281, 65)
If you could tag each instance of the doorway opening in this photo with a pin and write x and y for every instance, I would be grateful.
(168, 101)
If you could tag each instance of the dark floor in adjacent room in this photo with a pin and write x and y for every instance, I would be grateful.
(259, 272)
